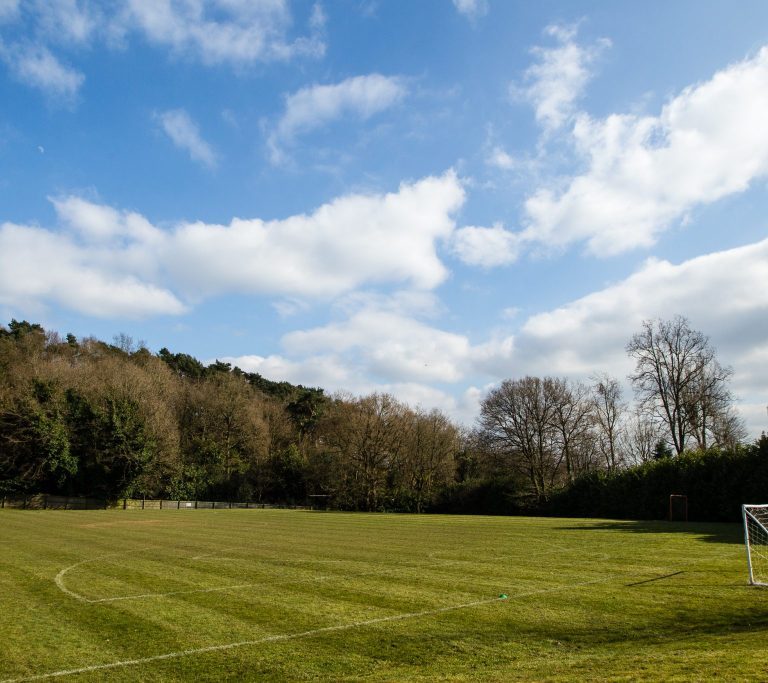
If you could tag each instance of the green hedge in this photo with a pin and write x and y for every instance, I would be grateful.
(716, 482)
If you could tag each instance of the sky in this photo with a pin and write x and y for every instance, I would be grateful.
(421, 198)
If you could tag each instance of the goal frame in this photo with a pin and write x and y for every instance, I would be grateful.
(676, 499)
(745, 514)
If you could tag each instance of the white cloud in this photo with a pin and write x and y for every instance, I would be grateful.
(184, 133)
(326, 371)
(222, 31)
(391, 346)
(337, 375)
(65, 20)
(501, 159)
(647, 172)
(721, 294)
(486, 247)
(37, 67)
(556, 81)
(353, 241)
(99, 224)
(38, 266)
(471, 8)
(234, 32)
(381, 346)
(316, 106)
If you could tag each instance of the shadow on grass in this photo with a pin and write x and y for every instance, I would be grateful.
(712, 532)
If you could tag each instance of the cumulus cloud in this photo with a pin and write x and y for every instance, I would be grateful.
(317, 105)
(719, 293)
(384, 347)
(645, 173)
(38, 267)
(184, 133)
(338, 375)
(354, 241)
(486, 247)
(383, 344)
(394, 346)
(557, 80)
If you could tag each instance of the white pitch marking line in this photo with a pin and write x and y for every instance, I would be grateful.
(292, 636)
(162, 595)
(59, 579)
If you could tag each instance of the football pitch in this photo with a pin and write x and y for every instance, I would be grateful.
(296, 595)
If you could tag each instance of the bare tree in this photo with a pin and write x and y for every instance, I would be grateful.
(608, 410)
(677, 378)
(639, 438)
(369, 434)
(429, 454)
(517, 419)
(572, 418)
(708, 408)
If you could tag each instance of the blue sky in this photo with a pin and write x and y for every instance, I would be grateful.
(415, 197)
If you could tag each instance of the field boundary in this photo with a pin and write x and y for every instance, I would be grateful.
(43, 501)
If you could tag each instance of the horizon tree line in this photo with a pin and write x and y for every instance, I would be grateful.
(83, 417)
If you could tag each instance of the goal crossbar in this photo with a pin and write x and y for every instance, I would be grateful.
(756, 542)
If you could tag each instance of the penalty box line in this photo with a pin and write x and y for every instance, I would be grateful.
(291, 636)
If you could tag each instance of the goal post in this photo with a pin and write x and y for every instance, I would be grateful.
(756, 542)
(678, 508)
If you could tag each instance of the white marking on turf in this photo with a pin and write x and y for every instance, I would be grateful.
(59, 579)
(292, 636)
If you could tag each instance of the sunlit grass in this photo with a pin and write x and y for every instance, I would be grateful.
(307, 595)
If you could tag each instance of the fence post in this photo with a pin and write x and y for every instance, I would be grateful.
(178, 505)
(142, 503)
(161, 503)
(125, 503)
(195, 505)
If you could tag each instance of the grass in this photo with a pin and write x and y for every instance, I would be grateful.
(291, 595)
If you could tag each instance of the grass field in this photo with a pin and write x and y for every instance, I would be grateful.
(293, 595)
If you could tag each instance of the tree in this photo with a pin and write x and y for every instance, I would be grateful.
(639, 438)
(608, 409)
(572, 418)
(368, 434)
(678, 380)
(518, 420)
(428, 455)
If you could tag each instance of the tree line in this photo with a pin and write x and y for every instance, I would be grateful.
(88, 418)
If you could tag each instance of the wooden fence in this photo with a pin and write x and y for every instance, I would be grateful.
(43, 501)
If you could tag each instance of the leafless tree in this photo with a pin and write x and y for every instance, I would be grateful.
(677, 379)
(608, 409)
(639, 438)
(428, 456)
(368, 434)
(572, 418)
(517, 419)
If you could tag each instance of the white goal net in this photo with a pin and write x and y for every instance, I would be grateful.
(756, 540)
